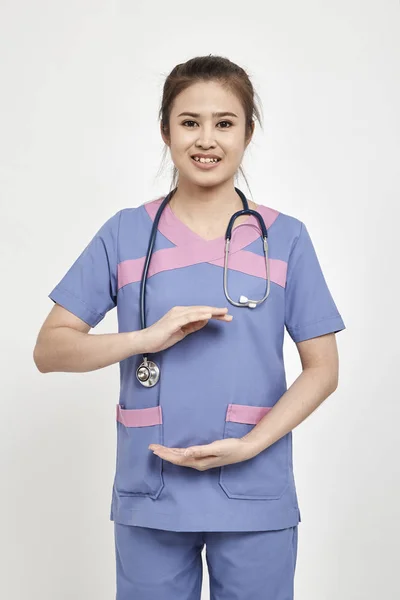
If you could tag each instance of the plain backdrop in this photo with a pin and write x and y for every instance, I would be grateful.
(81, 86)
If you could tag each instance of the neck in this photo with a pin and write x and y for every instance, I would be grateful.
(206, 204)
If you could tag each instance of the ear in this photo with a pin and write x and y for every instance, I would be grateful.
(248, 140)
(163, 135)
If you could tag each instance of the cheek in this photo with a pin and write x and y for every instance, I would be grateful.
(177, 155)
(233, 147)
(233, 157)
(181, 146)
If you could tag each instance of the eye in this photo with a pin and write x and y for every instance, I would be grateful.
(229, 123)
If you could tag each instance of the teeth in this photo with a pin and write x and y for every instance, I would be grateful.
(205, 160)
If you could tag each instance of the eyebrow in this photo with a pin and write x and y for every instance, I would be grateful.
(215, 114)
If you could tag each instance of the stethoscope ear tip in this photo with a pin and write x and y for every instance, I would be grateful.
(246, 302)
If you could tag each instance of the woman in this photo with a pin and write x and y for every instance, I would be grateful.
(204, 447)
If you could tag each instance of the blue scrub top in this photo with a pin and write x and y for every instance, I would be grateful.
(217, 382)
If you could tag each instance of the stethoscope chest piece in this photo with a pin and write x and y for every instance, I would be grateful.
(148, 373)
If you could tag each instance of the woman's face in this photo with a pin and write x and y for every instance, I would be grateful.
(221, 135)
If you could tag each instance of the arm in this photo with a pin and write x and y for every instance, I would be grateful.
(64, 344)
(312, 320)
(86, 292)
(319, 378)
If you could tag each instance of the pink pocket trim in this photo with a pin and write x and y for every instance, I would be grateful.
(242, 413)
(139, 417)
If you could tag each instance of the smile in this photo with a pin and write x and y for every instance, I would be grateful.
(205, 165)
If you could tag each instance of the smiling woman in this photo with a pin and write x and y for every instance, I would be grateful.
(223, 392)
(211, 132)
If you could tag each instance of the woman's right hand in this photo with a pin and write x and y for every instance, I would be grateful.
(177, 323)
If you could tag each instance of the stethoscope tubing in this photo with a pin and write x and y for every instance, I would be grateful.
(150, 367)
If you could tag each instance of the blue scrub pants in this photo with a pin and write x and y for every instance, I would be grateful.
(155, 564)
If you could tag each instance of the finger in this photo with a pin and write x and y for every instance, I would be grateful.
(209, 314)
(224, 318)
(191, 317)
(199, 324)
(193, 321)
(214, 310)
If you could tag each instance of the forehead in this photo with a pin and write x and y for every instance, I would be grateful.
(205, 97)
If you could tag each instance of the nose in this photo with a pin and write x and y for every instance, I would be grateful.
(206, 137)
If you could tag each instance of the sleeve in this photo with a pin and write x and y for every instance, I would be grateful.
(89, 288)
(310, 310)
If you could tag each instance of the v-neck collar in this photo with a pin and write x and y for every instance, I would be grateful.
(177, 221)
(180, 234)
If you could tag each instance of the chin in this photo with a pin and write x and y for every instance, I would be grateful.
(205, 182)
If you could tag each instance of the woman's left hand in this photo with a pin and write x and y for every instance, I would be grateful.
(216, 454)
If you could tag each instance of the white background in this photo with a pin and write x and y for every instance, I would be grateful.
(81, 85)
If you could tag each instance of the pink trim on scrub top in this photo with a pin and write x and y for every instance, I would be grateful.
(243, 413)
(139, 417)
(143, 417)
(191, 249)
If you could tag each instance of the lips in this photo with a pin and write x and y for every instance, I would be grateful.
(194, 156)
(206, 166)
(214, 161)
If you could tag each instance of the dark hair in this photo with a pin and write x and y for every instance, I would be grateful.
(208, 68)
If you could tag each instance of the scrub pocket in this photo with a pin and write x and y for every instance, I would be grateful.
(266, 475)
(138, 470)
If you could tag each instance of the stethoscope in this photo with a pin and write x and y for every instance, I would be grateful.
(148, 373)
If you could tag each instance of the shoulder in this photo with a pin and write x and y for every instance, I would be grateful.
(284, 229)
(281, 219)
(140, 214)
(138, 218)
(135, 227)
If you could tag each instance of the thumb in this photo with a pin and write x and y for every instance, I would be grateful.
(199, 451)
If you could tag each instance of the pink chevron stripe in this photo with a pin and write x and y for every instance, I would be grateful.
(178, 233)
(242, 413)
(139, 417)
(191, 249)
(130, 271)
(254, 264)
